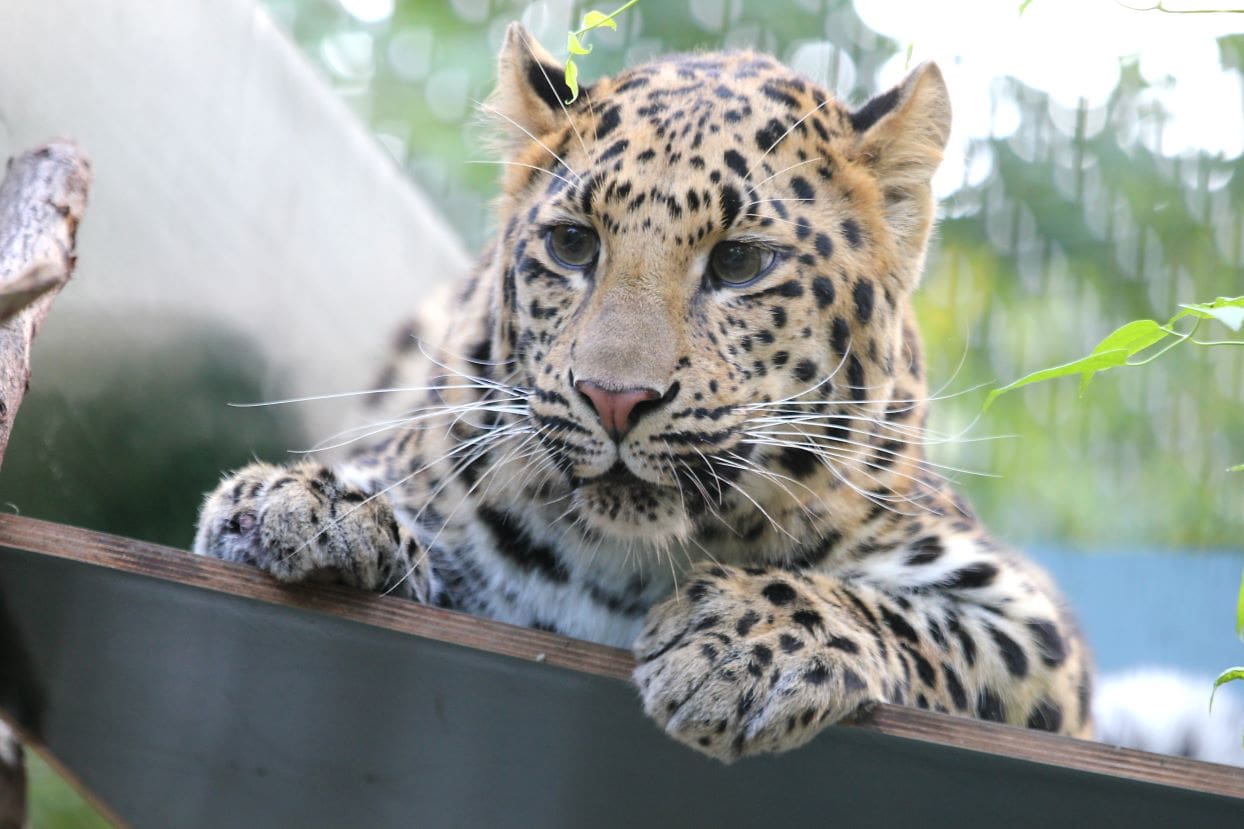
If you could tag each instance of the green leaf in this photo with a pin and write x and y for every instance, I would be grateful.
(1113, 351)
(1133, 337)
(1239, 610)
(1229, 675)
(1227, 310)
(1239, 468)
(574, 47)
(572, 80)
(1023, 6)
(594, 20)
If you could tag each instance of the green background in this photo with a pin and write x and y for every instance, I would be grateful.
(1072, 232)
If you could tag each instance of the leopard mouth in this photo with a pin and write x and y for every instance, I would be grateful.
(619, 475)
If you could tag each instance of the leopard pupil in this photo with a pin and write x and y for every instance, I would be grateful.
(574, 245)
(734, 263)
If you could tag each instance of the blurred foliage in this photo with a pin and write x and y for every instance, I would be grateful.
(129, 446)
(52, 804)
(1061, 231)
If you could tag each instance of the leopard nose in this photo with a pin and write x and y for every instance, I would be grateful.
(619, 409)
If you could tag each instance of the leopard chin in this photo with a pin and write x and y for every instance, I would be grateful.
(627, 508)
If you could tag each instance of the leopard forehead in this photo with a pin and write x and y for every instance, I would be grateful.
(691, 119)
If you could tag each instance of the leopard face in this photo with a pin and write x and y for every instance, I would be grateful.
(704, 282)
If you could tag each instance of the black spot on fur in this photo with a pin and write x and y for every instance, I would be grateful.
(616, 149)
(923, 669)
(1050, 644)
(852, 682)
(899, 625)
(800, 462)
(843, 644)
(851, 230)
(1012, 654)
(1046, 716)
(736, 162)
(818, 674)
(925, 551)
(823, 290)
(855, 378)
(769, 135)
(863, 295)
(981, 574)
(789, 644)
(763, 655)
(778, 592)
(771, 91)
(731, 205)
(802, 189)
(840, 335)
(806, 618)
(609, 121)
(966, 643)
(804, 371)
(824, 246)
(957, 695)
(746, 622)
(514, 543)
(989, 706)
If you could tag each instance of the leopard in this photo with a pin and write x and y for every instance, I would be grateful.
(680, 406)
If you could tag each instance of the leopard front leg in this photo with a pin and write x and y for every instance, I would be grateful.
(302, 523)
(749, 661)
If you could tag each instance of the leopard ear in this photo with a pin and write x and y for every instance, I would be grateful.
(901, 135)
(531, 87)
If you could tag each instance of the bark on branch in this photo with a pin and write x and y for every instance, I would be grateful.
(41, 202)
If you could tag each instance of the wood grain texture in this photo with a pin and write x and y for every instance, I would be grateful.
(406, 617)
(42, 199)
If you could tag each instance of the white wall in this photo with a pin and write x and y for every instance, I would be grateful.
(230, 185)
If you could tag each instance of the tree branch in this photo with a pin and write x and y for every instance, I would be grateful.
(42, 200)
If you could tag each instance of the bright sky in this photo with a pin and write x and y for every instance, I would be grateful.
(1072, 49)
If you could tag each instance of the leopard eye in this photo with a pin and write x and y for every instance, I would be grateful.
(573, 246)
(737, 263)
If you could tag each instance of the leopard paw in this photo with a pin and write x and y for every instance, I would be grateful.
(749, 662)
(302, 524)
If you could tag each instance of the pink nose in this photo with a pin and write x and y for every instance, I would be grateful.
(616, 409)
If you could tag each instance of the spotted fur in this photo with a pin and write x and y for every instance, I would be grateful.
(758, 521)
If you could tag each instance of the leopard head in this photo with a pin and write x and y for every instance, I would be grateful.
(703, 279)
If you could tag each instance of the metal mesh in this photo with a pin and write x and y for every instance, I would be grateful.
(1059, 224)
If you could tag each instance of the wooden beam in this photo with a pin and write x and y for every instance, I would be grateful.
(405, 617)
(42, 200)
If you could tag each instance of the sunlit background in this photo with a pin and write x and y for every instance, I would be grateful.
(1093, 177)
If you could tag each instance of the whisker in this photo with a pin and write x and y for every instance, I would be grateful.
(872, 448)
(781, 137)
(771, 218)
(791, 167)
(520, 164)
(525, 131)
(339, 395)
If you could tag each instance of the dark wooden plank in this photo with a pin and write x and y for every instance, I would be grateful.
(80, 602)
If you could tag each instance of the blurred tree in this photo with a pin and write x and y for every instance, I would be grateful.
(1062, 229)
